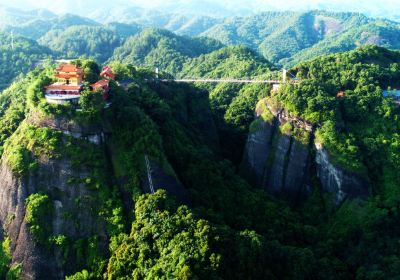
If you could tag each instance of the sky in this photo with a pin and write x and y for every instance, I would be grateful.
(385, 8)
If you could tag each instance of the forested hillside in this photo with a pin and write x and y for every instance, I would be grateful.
(78, 41)
(36, 26)
(163, 49)
(284, 38)
(168, 180)
(19, 57)
(230, 230)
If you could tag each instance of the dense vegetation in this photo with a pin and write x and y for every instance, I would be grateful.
(291, 37)
(20, 59)
(284, 38)
(163, 49)
(196, 134)
(90, 41)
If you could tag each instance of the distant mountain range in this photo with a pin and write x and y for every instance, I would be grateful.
(282, 37)
(102, 10)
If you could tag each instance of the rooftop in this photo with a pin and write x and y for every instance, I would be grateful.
(63, 86)
(68, 68)
(101, 83)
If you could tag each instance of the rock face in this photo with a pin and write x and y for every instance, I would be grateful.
(72, 216)
(336, 180)
(257, 152)
(92, 133)
(159, 179)
(279, 157)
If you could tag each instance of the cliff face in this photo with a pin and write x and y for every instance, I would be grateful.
(73, 216)
(280, 152)
(78, 178)
(336, 180)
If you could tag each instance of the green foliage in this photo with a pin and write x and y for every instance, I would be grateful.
(356, 128)
(288, 38)
(95, 42)
(232, 230)
(92, 104)
(38, 209)
(163, 49)
(180, 244)
(6, 271)
(229, 62)
(19, 60)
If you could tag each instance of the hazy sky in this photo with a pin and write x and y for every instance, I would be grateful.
(370, 7)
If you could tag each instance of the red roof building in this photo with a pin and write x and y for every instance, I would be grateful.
(69, 81)
(107, 73)
(104, 85)
(70, 84)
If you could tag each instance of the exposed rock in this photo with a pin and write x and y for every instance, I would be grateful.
(336, 180)
(94, 133)
(296, 181)
(73, 216)
(280, 161)
(275, 178)
(257, 152)
(160, 179)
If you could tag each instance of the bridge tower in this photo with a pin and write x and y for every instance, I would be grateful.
(284, 75)
(157, 71)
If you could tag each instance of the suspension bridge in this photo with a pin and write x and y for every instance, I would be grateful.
(286, 77)
(230, 81)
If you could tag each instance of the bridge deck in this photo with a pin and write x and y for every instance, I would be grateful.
(232, 81)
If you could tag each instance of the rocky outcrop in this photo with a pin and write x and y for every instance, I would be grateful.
(276, 175)
(94, 133)
(157, 178)
(280, 157)
(275, 159)
(258, 150)
(72, 216)
(336, 180)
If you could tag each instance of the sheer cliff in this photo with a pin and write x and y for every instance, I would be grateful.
(282, 155)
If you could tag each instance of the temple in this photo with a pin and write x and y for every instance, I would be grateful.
(69, 84)
(107, 73)
(104, 86)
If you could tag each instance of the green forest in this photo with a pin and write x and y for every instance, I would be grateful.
(230, 230)
(81, 175)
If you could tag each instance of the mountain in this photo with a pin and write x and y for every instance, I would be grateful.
(86, 207)
(229, 62)
(283, 37)
(13, 16)
(218, 8)
(39, 23)
(163, 49)
(91, 41)
(18, 57)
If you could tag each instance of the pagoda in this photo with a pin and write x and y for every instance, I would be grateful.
(68, 86)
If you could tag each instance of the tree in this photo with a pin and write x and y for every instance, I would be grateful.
(92, 104)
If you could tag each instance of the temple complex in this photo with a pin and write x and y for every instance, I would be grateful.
(69, 84)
